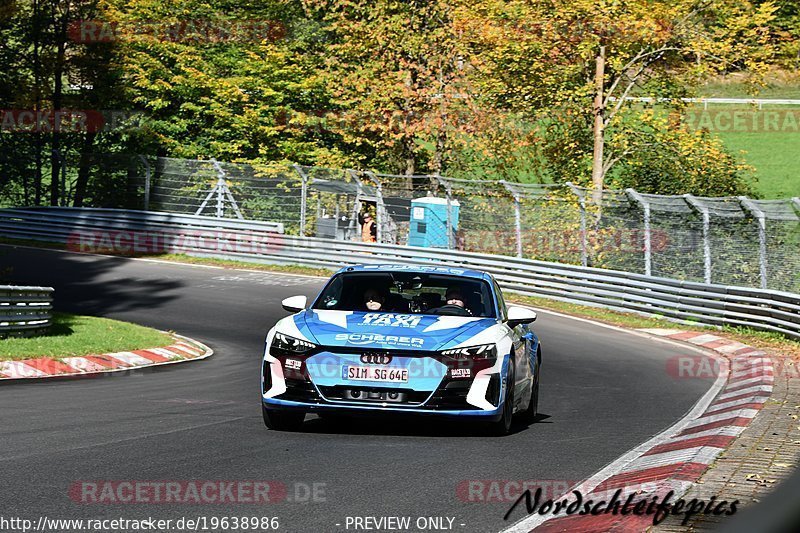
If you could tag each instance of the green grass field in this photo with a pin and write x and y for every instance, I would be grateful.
(776, 158)
(73, 335)
(775, 155)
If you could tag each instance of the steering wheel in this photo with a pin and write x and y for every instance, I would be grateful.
(451, 310)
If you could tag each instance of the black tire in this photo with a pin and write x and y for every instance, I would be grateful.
(533, 406)
(282, 420)
(503, 426)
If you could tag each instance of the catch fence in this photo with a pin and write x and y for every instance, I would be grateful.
(730, 241)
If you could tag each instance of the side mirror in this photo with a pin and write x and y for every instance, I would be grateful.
(293, 304)
(520, 315)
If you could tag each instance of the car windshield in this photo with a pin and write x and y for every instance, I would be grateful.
(407, 292)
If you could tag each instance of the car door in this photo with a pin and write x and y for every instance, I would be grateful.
(520, 337)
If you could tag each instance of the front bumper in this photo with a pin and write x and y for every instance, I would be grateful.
(438, 387)
(288, 405)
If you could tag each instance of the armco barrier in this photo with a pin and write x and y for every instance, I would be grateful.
(25, 310)
(681, 301)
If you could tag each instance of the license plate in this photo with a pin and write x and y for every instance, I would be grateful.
(375, 373)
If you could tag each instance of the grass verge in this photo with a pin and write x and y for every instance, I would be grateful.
(227, 263)
(774, 342)
(73, 335)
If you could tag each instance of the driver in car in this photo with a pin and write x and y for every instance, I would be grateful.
(373, 300)
(453, 296)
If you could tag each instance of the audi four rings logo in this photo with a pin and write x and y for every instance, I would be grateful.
(376, 359)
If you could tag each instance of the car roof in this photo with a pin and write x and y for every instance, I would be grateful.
(426, 269)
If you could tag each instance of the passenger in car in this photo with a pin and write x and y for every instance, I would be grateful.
(373, 300)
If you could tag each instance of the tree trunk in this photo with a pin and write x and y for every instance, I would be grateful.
(37, 105)
(410, 162)
(84, 168)
(599, 125)
(58, 73)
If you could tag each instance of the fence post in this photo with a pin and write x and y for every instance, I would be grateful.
(639, 199)
(147, 176)
(582, 203)
(359, 193)
(703, 210)
(517, 215)
(62, 178)
(380, 208)
(303, 197)
(749, 206)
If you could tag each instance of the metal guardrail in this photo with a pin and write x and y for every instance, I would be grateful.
(680, 301)
(25, 310)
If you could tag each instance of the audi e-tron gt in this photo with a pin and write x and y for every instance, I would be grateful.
(425, 340)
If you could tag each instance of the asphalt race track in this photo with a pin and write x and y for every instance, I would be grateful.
(602, 393)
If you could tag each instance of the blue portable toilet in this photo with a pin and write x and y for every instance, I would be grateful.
(428, 225)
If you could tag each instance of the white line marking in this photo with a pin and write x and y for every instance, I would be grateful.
(696, 454)
(751, 381)
(749, 390)
(744, 401)
(727, 431)
(704, 339)
(730, 415)
(130, 358)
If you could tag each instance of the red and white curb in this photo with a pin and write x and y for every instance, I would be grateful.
(184, 349)
(675, 459)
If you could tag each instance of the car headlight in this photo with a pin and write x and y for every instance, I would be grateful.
(290, 345)
(484, 351)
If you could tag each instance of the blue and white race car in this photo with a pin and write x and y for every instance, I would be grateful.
(396, 338)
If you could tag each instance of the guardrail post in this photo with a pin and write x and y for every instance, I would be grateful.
(582, 203)
(639, 199)
(703, 210)
(303, 197)
(147, 177)
(517, 215)
(380, 208)
(761, 219)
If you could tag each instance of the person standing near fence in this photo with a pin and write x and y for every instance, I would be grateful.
(369, 231)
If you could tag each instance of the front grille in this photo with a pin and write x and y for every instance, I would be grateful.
(267, 376)
(493, 390)
(300, 390)
(374, 395)
(452, 395)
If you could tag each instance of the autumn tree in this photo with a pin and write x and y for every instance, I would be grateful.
(563, 61)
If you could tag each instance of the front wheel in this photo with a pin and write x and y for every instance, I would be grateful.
(533, 405)
(503, 426)
(282, 420)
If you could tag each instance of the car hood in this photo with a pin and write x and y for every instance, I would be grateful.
(388, 330)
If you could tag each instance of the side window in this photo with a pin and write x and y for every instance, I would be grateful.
(332, 295)
(501, 303)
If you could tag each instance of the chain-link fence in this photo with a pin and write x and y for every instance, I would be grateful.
(732, 241)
